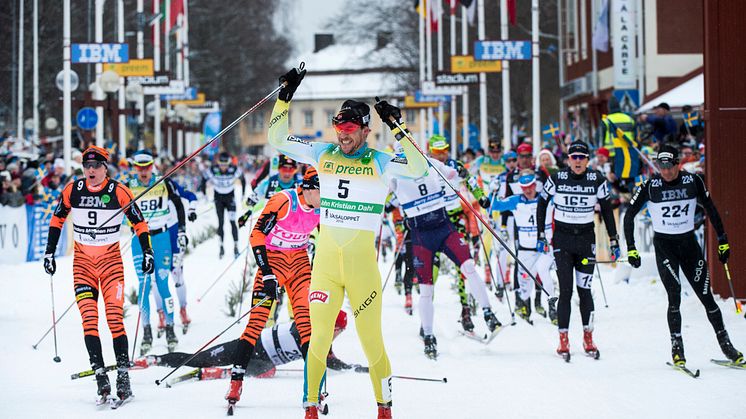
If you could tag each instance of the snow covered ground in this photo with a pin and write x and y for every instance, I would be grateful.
(517, 376)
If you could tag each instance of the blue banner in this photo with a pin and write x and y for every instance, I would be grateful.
(212, 126)
(100, 53)
(38, 218)
(502, 50)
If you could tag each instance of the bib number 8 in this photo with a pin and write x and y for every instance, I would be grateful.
(423, 189)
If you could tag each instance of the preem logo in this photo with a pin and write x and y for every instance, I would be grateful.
(318, 297)
(328, 167)
(353, 170)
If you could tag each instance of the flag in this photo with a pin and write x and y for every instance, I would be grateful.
(471, 10)
(550, 130)
(511, 12)
(453, 4)
(692, 119)
(601, 29)
(177, 8)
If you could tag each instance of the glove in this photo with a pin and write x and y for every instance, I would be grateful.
(252, 200)
(182, 240)
(244, 218)
(723, 249)
(633, 257)
(463, 172)
(616, 252)
(387, 111)
(192, 216)
(484, 202)
(542, 246)
(148, 261)
(50, 266)
(269, 286)
(504, 234)
(290, 81)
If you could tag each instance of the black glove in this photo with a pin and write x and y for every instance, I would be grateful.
(387, 111)
(252, 200)
(148, 261)
(484, 202)
(633, 257)
(463, 172)
(192, 217)
(244, 218)
(182, 240)
(290, 81)
(269, 286)
(616, 252)
(50, 266)
(723, 249)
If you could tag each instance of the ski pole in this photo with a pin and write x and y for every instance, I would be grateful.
(139, 313)
(435, 380)
(53, 325)
(468, 205)
(603, 291)
(380, 240)
(588, 261)
(243, 279)
(396, 255)
(180, 164)
(54, 320)
(494, 283)
(221, 275)
(732, 292)
(158, 382)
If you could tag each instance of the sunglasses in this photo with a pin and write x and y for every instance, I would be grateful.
(512, 160)
(525, 156)
(95, 164)
(578, 156)
(346, 127)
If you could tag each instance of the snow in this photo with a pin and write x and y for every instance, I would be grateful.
(517, 376)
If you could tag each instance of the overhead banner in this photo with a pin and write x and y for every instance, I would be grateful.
(449, 79)
(502, 50)
(208, 106)
(430, 88)
(410, 102)
(99, 53)
(211, 128)
(467, 64)
(173, 87)
(623, 43)
(136, 67)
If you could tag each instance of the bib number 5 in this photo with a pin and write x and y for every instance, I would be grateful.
(344, 190)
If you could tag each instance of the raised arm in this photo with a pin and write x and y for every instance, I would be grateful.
(414, 164)
(280, 138)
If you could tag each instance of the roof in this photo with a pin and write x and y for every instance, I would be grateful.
(691, 92)
(349, 86)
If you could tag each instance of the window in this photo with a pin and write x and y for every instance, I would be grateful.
(410, 116)
(329, 115)
(308, 118)
(257, 122)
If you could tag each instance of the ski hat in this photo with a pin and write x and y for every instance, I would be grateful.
(142, 158)
(527, 178)
(438, 143)
(353, 111)
(341, 322)
(224, 158)
(494, 144)
(578, 147)
(510, 155)
(285, 161)
(310, 179)
(524, 148)
(603, 151)
(667, 157)
(95, 153)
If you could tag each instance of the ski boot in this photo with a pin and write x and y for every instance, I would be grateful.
(563, 349)
(552, 303)
(422, 333)
(466, 322)
(523, 309)
(171, 339)
(185, 320)
(677, 351)
(492, 323)
(727, 347)
(431, 347)
(235, 250)
(588, 346)
(161, 324)
(222, 252)
(539, 308)
(267, 374)
(500, 293)
(234, 391)
(312, 412)
(147, 340)
(408, 304)
(123, 384)
(384, 411)
(104, 388)
(145, 362)
(398, 284)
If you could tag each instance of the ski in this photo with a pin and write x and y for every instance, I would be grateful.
(88, 373)
(231, 405)
(191, 375)
(729, 364)
(594, 354)
(101, 400)
(184, 328)
(474, 336)
(491, 336)
(117, 403)
(684, 370)
(565, 356)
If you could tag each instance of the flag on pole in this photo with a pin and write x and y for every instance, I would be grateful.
(550, 130)
(436, 11)
(453, 3)
(511, 12)
(692, 119)
(601, 29)
(471, 10)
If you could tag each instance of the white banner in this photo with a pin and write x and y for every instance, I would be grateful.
(13, 234)
(623, 42)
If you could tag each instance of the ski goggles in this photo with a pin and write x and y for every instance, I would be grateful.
(578, 156)
(311, 183)
(526, 181)
(142, 160)
(346, 127)
(93, 164)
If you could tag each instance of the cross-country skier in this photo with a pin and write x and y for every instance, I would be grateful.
(156, 210)
(672, 197)
(223, 177)
(97, 263)
(576, 191)
(279, 240)
(287, 177)
(354, 183)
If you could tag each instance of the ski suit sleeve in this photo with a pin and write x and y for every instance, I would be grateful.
(188, 195)
(412, 166)
(541, 208)
(607, 212)
(134, 215)
(277, 207)
(703, 196)
(638, 200)
(260, 174)
(58, 219)
(295, 148)
(175, 197)
(508, 204)
(242, 179)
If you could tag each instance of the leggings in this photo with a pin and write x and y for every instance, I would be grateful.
(226, 202)
(569, 251)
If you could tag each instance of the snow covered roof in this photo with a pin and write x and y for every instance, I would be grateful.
(359, 56)
(348, 86)
(691, 92)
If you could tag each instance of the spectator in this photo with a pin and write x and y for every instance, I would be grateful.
(692, 129)
(547, 162)
(10, 194)
(602, 164)
(664, 126)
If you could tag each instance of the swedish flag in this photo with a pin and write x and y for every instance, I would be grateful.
(550, 131)
(692, 119)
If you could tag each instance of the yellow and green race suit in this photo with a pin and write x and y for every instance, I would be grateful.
(353, 192)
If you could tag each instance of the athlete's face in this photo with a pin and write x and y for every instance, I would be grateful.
(495, 154)
(511, 164)
(669, 174)
(144, 173)
(312, 197)
(578, 163)
(525, 160)
(95, 172)
(529, 191)
(439, 155)
(286, 174)
(350, 140)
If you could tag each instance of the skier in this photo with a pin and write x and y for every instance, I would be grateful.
(523, 208)
(354, 182)
(422, 200)
(156, 210)
(223, 177)
(672, 197)
(438, 148)
(286, 178)
(279, 240)
(97, 263)
(576, 191)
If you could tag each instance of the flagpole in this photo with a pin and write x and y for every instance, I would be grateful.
(561, 60)
(66, 84)
(465, 101)
(20, 134)
(536, 87)
(482, 82)
(422, 22)
(594, 57)
(504, 35)
(156, 28)
(454, 140)
(99, 38)
(441, 111)
(640, 51)
(429, 58)
(121, 103)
